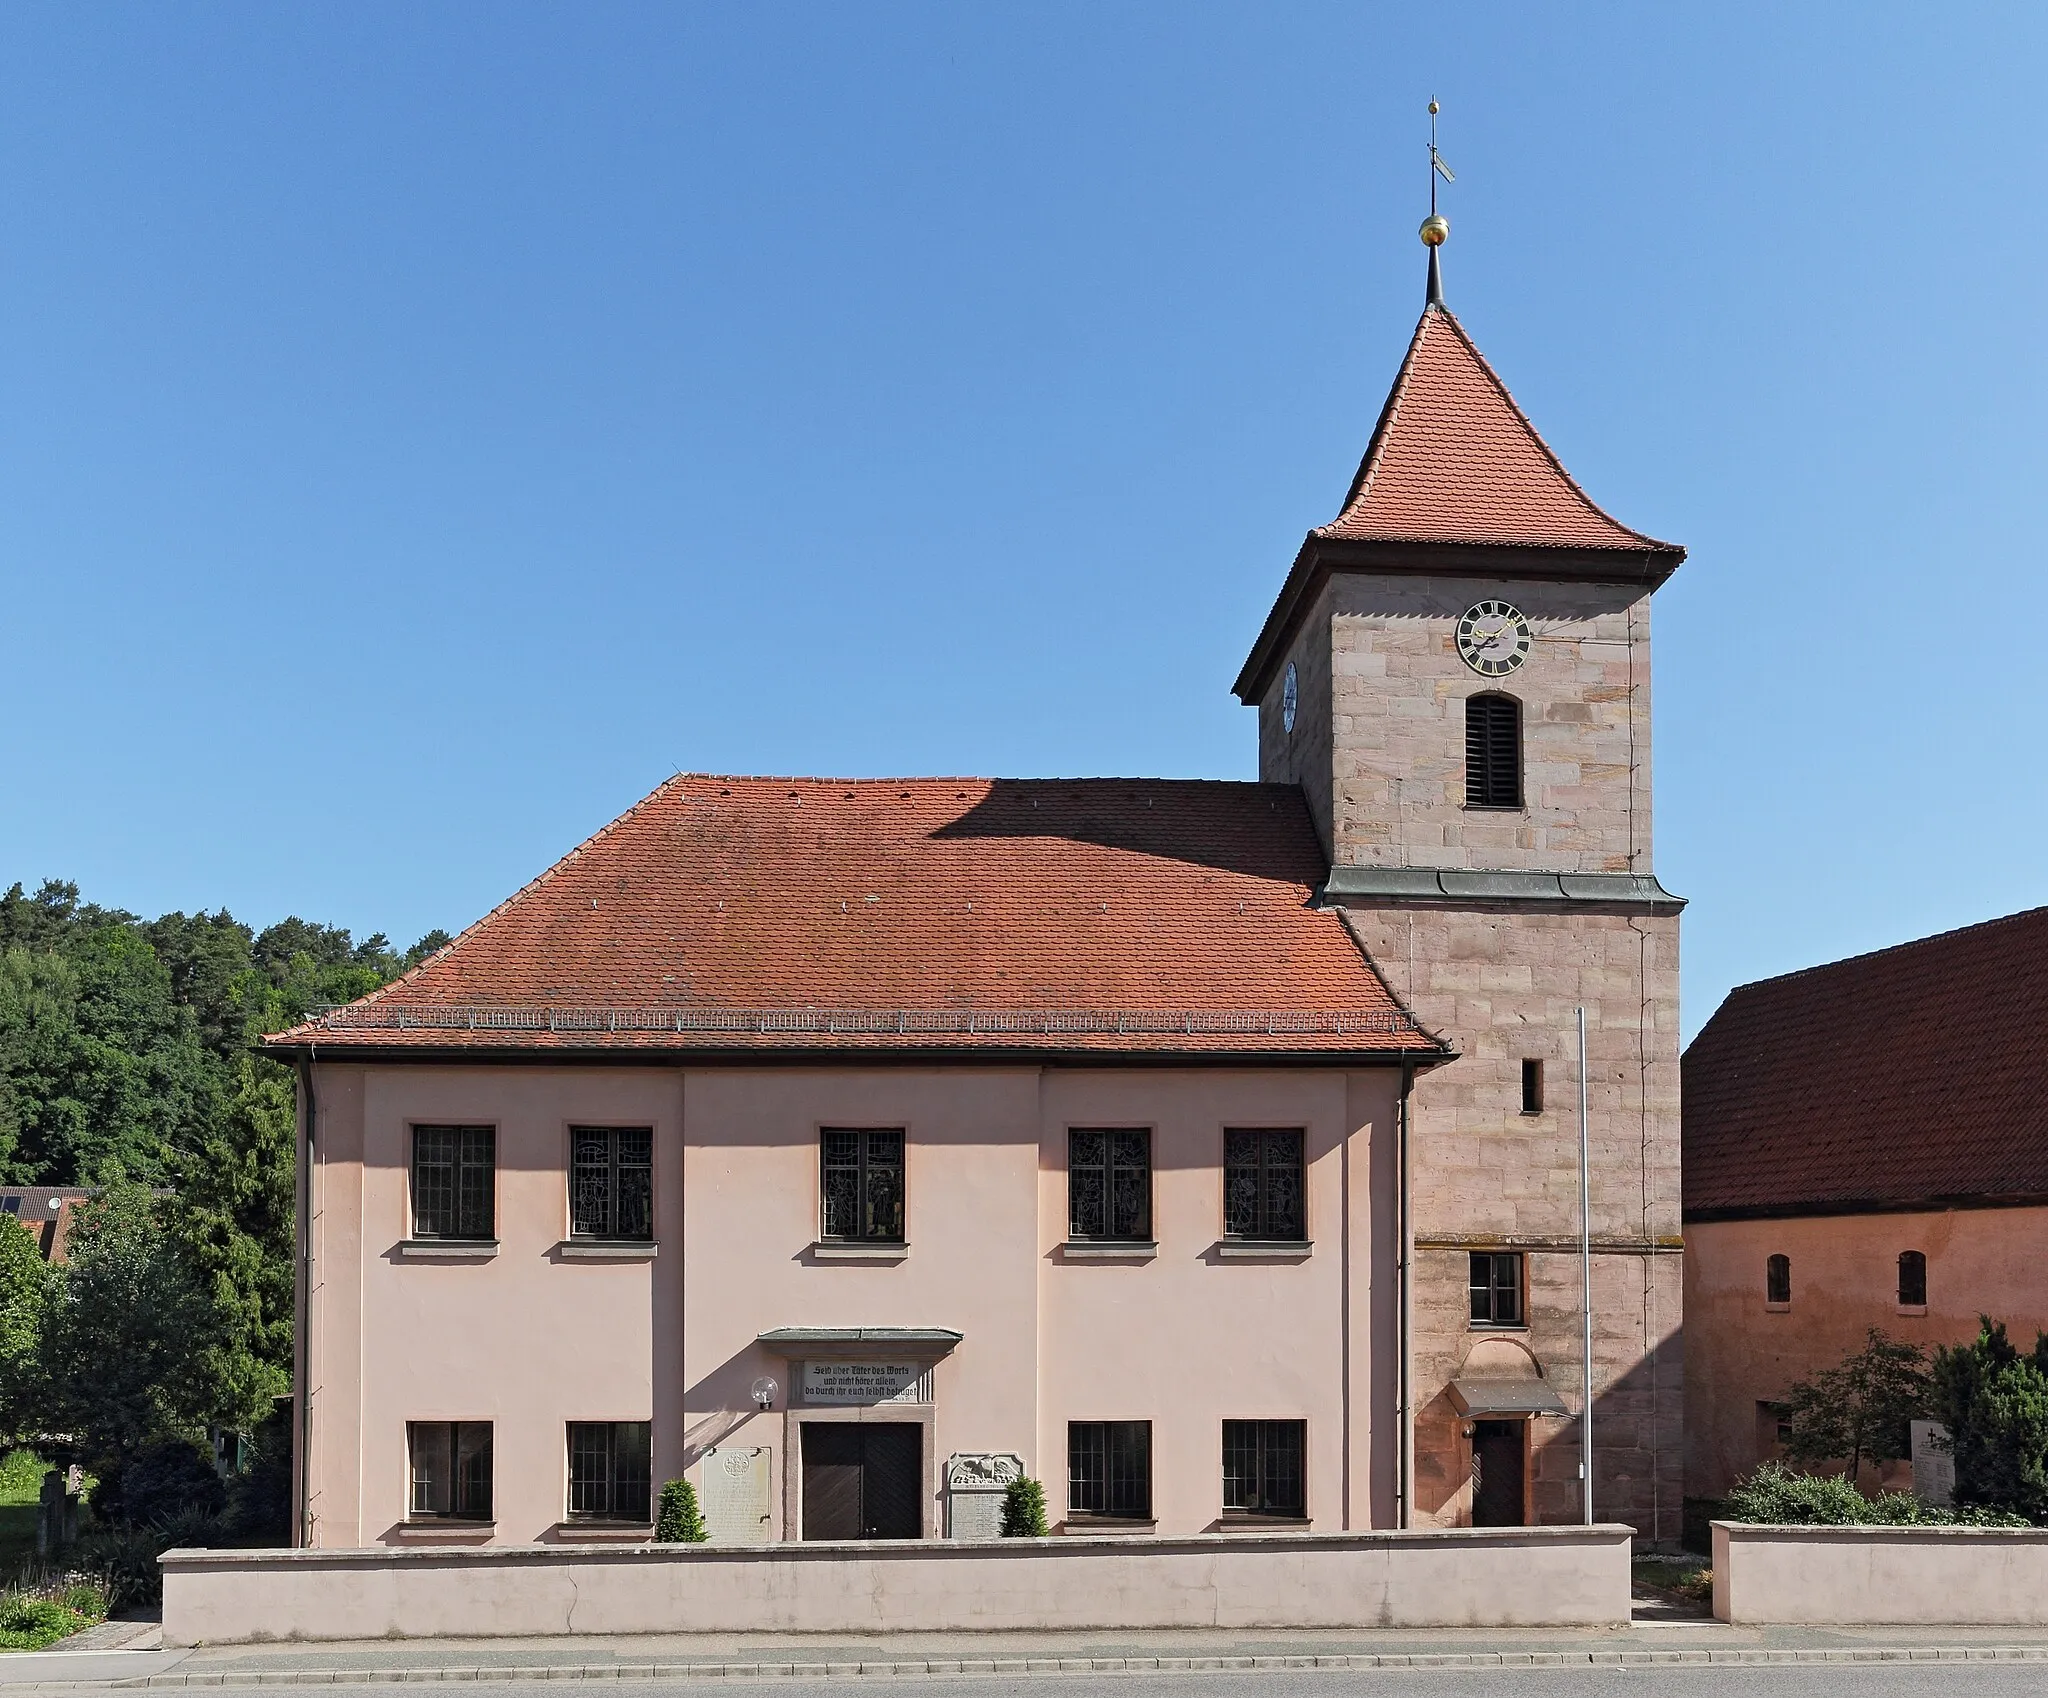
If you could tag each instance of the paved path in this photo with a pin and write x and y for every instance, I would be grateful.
(1675, 1656)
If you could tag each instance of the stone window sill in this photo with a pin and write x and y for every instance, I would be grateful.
(1912, 1308)
(1777, 1308)
(598, 1532)
(1083, 1522)
(1497, 1326)
(1264, 1250)
(1108, 1250)
(1251, 1518)
(446, 1527)
(828, 1252)
(605, 1250)
(447, 1249)
(1492, 808)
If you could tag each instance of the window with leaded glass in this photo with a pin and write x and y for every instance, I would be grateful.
(454, 1182)
(1496, 1288)
(1109, 1469)
(1109, 1185)
(611, 1182)
(862, 1185)
(451, 1470)
(608, 1471)
(1262, 1186)
(1264, 1467)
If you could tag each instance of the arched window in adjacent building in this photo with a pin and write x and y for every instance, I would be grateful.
(1493, 751)
(1912, 1279)
(1778, 1280)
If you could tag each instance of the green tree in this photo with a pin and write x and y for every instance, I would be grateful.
(230, 1215)
(25, 1287)
(1860, 1410)
(117, 1363)
(1994, 1402)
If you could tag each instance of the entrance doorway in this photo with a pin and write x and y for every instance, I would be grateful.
(863, 1480)
(1497, 1473)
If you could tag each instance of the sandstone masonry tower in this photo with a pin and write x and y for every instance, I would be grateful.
(1457, 673)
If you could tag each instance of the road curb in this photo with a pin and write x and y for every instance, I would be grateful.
(1756, 1656)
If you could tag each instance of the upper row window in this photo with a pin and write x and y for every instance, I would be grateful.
(862, 1185)
(455, 1174)
(1912, 1280)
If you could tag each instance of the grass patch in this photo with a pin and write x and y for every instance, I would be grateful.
(1686, 1580)
(21, 1486)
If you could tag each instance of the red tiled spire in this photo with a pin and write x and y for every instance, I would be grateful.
(1454, 460)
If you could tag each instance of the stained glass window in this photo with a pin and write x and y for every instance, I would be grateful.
(862, 1185)
(1262, 1185)
(611, 1182)
(1109, 1185)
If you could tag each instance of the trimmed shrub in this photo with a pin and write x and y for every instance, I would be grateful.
(1024, 1510)
(1774, 1495)
(679, 1521)
(166, 1480)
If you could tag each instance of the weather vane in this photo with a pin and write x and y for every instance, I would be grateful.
(1436, 227)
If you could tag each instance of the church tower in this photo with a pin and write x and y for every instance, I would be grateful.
(1457, 674)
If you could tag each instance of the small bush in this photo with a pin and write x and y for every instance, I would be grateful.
(36, 1615)
(124, 1555)
(1024, 1510)
(679, 1522)
(166, 1480)
(1777, 1496)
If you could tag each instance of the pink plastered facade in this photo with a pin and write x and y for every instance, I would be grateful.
(531, 1337)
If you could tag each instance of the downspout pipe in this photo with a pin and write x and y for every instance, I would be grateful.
(302, 1404)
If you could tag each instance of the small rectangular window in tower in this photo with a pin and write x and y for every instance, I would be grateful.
(1532, 1086)
(1496, 1288)
(1493, 751)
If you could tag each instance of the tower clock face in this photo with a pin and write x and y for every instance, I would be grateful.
(1493, 638)
(1290, 699)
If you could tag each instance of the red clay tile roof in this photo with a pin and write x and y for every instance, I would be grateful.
(1453, 460)
(954, 914)
(1913, 1075)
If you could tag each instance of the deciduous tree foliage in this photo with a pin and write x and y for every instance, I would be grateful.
(1860, 1410)
(127, 1063)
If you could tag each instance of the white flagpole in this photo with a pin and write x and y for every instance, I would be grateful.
(1586, 1279)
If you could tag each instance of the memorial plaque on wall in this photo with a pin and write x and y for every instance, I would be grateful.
(867, 1382)
(975, 1482)
(737, 1490)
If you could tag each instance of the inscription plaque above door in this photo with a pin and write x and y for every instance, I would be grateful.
(829, 1382)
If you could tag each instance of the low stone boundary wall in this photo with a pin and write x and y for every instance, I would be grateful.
(1881, 1576)
(1492, 1577)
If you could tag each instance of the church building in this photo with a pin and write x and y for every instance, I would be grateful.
(1210, 1152)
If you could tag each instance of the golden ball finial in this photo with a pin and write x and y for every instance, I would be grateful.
(1434, 109)
(1435, 229)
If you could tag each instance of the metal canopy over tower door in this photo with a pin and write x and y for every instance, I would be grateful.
(862, 1480)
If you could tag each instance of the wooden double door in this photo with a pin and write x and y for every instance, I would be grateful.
(863, 1480)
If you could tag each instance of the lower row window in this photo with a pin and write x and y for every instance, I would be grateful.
(451, 1469)
(1109, 1468)
(450, 1465)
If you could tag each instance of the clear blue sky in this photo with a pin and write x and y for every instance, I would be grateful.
(427, 426)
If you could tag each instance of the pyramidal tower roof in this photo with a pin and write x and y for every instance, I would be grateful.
(1455, 481)
(1454, 460)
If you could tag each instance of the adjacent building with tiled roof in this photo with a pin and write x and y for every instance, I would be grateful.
(1865, 1144)
(848, 1145)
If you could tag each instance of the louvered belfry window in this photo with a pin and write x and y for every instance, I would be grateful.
(1493, 752)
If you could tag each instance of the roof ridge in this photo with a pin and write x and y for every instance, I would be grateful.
(1887, 949)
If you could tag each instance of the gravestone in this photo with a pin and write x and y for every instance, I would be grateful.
(737, 1488)
(975, 1482)
(1934, 1464)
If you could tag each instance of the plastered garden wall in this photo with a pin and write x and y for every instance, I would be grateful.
(1850, 1576)
(1522, 1577)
